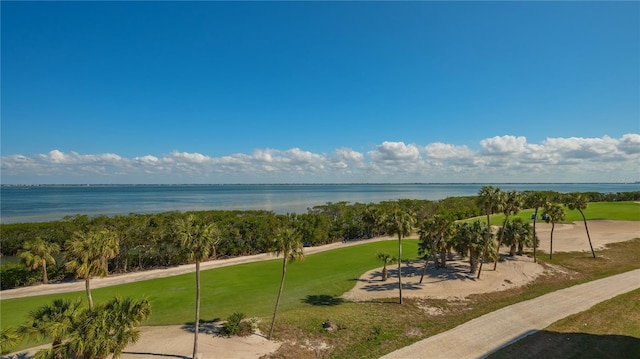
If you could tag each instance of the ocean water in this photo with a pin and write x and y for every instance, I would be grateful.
(46, 203)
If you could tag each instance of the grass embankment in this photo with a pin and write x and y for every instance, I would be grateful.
(610, 329)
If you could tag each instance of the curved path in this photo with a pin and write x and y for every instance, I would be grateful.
(482, 336)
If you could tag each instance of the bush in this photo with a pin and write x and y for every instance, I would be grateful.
(236, 326)
(15, 275)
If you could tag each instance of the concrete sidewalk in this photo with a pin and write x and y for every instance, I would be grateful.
(490, 332)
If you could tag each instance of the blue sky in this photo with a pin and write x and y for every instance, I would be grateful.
(313, 92)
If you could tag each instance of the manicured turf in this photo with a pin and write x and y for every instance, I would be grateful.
(618, 211)
(248, 288)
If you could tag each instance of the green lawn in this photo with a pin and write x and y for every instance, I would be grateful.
(249, 288)
(618, 211)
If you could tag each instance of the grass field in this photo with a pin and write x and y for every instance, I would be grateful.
(619, 211)
(249, 288)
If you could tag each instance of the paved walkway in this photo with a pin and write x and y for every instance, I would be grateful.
(490, 332)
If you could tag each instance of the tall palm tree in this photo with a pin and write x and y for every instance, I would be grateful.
(555, 214)
(536, 200)
(288, 242)
(53, 321)
(197, 239)
(386, 259)
(37, 253)
(401, 223)
(490, 199)
(511, 205)
(88, 253)
(580, 202)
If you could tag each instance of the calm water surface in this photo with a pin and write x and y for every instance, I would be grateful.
(45, 203)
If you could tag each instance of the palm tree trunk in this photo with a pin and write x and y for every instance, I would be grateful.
(535, 260)
(551, 241)
(473, 264)
(504, 225)
(484, 250)
(384, 272)
(424, 269)
(197, 322)
(588, 236)
(45, 277)
(87, 286)
(400, 266)
(275, 311)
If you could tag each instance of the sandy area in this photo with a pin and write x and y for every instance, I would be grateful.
(453, 282)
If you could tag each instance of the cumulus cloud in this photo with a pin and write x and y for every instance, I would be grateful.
(499, 159)
(395, 151)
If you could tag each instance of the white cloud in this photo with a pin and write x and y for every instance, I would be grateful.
(395, 151)
(499, 159)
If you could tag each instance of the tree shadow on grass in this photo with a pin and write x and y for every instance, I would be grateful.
(548, 344)
(323, 300)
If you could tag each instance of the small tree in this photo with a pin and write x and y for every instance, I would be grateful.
(88, 253)
(580, 203)
(37, 253)
(401, 223)
(490, 199)
(386, 259)
(288, 242)
(555, 214)
(197, 239)
(536, 200)
(512, 201)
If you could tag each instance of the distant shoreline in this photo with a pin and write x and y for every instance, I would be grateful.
(305, 184)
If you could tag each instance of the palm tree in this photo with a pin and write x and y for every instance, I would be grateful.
(401, 223)
(288, 242)
(9, 338)
(555, 214)
(536, 200)
(197, 239)
(386, 259)
(470, 239)
(435, 236)
(516, 234)
(88, 253)
(511, 205)
(490, 199)
(108, 329)
(37, 253)
(580, 202)
(53, 321)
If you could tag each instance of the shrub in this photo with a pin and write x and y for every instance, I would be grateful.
(235, 325)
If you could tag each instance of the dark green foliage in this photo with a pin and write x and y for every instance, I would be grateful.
(236, 325)
(17, 275)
